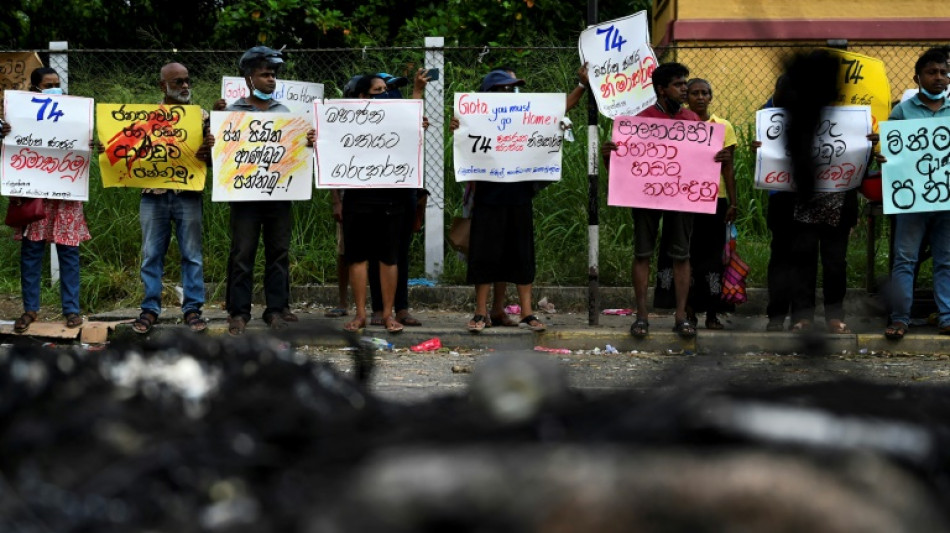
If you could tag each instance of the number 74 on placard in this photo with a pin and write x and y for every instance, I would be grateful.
(612, 39)
(41, 114)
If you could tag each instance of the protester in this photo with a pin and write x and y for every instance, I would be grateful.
(910, 229)
(270, 221)
(159, 208)
(374, 221)
(401, 301)
(669, 83)
(501, 240)
(709, 231)
(64, 225)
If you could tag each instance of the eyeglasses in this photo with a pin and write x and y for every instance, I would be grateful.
(179, 81)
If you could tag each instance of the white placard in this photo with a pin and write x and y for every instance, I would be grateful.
(508, 137)
(840, 151)
(620, 64)
(46, 154)
(368, 144)
(298, 96)
(261, 156)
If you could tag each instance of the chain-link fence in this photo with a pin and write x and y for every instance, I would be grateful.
(742, 77)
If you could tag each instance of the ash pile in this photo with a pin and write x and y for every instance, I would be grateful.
(187, 434)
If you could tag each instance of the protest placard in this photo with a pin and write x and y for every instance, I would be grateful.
(863, 81)
(665, 164)
(620, 64)
(260, 156)
(840, 151)
(368, 143)
(151, 146)
(298, 96)
(46, 155)
(508, 137)
(916, 177)
(15, 69)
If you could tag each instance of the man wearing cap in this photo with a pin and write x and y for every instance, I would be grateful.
(250, 221)
(158, 209)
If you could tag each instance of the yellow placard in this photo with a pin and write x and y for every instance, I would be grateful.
(151, 146)
(863, 81)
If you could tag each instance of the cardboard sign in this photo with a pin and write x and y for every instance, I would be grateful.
(368, 143)
(863, 81)
(298, 96)
(916, 177)
(151, 146)
(260, 156)
(508, 137)
(46, 154)
(15, 70)
(665, 164)
(620, 64)
(841, 149)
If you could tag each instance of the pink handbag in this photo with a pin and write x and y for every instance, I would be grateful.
(735, 272)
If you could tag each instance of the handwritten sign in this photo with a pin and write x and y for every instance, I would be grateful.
(508, 137)
(151, 146)
(840, 150)
(665, 164)
(15, 69)
(46, 155)
(916, 177)
(368, 143)
(863, 81)
(620, 64)
(260, 156)
(298, 96)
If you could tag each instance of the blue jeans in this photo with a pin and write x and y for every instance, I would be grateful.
(909, 231)
(31, 270)
(156, 214)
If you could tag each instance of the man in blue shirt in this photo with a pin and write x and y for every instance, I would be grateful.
(910, 229)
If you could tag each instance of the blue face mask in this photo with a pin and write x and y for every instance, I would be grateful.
(931, 95)
(53, 90)
(388, 95)
(262, 96)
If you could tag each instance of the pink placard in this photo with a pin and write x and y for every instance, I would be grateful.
(665, 164)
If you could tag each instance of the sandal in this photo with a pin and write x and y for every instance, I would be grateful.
(477, 323)
(356, 324)
(714, 323)
(376, 319)
(23, 323)
(531, 322)
(194, 321)
(73, 320)
(143, 324)
(896, 331)
(288, 316)
(776, 324)
(503, 320)
(406, 319)
(838, 327)
(393, 325)
(640, 328)
(275, 321)
(336, 312)
(236, 325)
(684, 328)
(801, 326)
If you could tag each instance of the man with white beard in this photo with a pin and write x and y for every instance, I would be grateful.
(158, 209)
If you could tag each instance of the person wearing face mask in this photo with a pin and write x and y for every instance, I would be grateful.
(373, 224)
(250, 222)
(159, 208)
(64, 225)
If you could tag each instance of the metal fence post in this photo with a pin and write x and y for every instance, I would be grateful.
(435, 158)
(60, 62)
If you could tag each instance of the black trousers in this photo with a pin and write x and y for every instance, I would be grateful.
(831, 243)
(781, 271)
(251, 221)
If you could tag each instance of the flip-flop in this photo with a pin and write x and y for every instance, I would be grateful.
(477, 324)
(838, 327)
(393, 325)
(356, 324)
(896, 331)
(376, 320)
(336, 312)
(408, 320)
(531, 322)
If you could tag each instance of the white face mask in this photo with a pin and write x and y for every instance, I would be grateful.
(177, 95)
